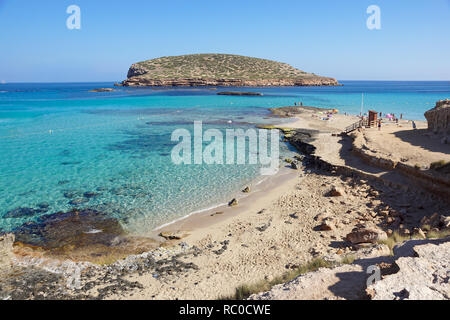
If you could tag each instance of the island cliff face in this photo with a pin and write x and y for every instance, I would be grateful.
(222, 70)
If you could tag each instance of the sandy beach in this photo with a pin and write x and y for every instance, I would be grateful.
(283, 223)
(278, 227)
(211, 159)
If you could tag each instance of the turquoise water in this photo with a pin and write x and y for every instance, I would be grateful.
(63, 147)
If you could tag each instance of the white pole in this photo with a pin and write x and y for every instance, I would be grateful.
(362, 103)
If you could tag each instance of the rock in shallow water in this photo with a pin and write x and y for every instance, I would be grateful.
(78, 201)
(90, 194)
(73, 229)
(43, 205)
(24, 212)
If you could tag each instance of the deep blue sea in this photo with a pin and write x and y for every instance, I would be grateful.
(60, 142)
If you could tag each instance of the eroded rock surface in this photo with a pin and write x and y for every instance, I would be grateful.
(344, 282)
(419, 270)
(422, 277)
(439, 117)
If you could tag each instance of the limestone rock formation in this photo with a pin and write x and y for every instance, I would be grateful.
(439, 117)
(419, 270)
(224, 70)
(343, 282)
(421, 277)
(366, 236)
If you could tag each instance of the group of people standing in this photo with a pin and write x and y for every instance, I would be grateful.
(390, 116)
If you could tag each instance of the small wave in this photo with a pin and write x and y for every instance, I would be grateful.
(190, 214)
(93, 231)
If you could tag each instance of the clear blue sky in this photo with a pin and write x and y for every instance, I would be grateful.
(325, 37)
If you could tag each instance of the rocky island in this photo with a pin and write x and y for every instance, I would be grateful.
(224, 70)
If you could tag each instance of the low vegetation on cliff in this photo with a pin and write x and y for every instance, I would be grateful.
(219, 69)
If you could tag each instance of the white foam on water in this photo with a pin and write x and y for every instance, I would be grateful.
(93, 231)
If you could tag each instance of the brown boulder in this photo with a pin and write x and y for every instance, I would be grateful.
(366, 235)
(336, 192)
(171, 235)
(233, 203)
(327, 226)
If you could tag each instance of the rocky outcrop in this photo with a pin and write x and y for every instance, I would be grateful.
(201, 82)
(75, 229)
(439, 117)
(320, 285)
(424, 276)
(136, 70)
(221, 70)
(103, 90)
(419, 270)
(366, 235)
(343, 282)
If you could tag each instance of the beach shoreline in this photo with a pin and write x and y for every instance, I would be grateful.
(277, 226)
(195, 220)
(261, 192)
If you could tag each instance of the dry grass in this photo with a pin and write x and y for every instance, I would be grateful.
(246, 290)
(396, 238)
(438, 234)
